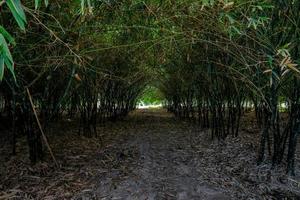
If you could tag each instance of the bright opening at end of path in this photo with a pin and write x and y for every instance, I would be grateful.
(151, 97)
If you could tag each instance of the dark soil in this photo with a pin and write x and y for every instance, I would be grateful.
(149, 155)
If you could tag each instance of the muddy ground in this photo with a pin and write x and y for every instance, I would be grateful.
(148, 155)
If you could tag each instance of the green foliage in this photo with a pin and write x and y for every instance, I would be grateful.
(151, 96)
(207, 53)
(5, 57)
(17, 11)
(7, 36)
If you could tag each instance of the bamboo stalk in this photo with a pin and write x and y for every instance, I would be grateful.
(40, 127)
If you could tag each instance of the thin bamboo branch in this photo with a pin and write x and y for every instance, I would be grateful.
(40, 127)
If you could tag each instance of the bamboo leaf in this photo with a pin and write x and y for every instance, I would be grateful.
(37, 4)
(1, 67)
(82, 6)
(16, 9)
(293, 67)
(7, 36)
(267, 71)
(4, 49)
(228, 5)
(89, 6)
(231, 20)
(5, 53)
(285, 72)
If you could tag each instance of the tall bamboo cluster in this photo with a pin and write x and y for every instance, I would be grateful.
(234, 64)
(213, 60)
(57, 63)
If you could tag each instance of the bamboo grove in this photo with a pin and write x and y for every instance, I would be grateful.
(213, 61)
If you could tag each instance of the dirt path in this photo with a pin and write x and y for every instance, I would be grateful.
(149, 155)
(161, 158)
(164, 167)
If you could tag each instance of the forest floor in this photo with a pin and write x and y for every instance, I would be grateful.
(148, 155)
